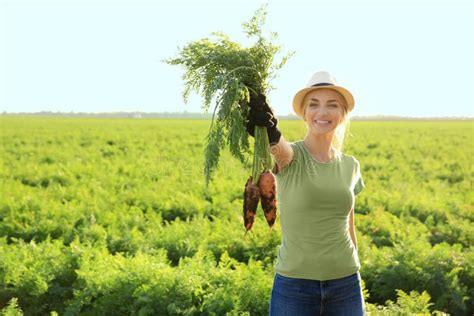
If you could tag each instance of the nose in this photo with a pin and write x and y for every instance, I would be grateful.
(323, 111)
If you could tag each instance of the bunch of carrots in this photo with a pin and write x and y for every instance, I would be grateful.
(261, 185)
(227, 72)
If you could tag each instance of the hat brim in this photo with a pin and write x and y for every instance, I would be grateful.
(299, 97)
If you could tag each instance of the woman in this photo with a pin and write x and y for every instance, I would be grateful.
(317, 270)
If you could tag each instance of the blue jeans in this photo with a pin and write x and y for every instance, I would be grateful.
(301, 297)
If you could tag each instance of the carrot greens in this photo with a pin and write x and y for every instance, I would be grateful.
(226, 72)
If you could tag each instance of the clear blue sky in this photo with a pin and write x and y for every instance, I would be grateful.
(411, 58)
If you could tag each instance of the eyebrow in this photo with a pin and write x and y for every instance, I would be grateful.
(313, 99)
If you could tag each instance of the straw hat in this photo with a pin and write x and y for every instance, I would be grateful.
(321, 79)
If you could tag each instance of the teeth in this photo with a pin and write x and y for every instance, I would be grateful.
(322, 122)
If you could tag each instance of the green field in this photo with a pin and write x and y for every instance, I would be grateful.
(111, 216)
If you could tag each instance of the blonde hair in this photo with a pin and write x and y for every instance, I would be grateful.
(342, 128)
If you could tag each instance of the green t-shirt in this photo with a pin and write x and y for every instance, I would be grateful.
(314, 199)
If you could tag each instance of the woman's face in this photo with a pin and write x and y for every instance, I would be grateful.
(324, 110)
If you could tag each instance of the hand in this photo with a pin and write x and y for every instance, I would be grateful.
(261, 114)
(259, 102)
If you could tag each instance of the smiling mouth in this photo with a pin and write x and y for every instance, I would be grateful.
(321, 122)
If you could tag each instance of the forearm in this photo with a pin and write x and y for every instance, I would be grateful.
(282, 152)
(281, 149)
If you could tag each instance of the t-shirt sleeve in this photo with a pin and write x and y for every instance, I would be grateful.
(359, 186)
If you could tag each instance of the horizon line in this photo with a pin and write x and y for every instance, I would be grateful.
(210, 114)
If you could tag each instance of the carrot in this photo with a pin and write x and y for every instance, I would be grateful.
(267, 185)
(251, 198)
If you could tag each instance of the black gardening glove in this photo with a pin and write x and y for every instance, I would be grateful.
(261, 114)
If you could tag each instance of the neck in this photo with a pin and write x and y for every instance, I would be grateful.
(320, 146)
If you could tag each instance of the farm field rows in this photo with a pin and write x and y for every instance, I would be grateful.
(111, 216)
